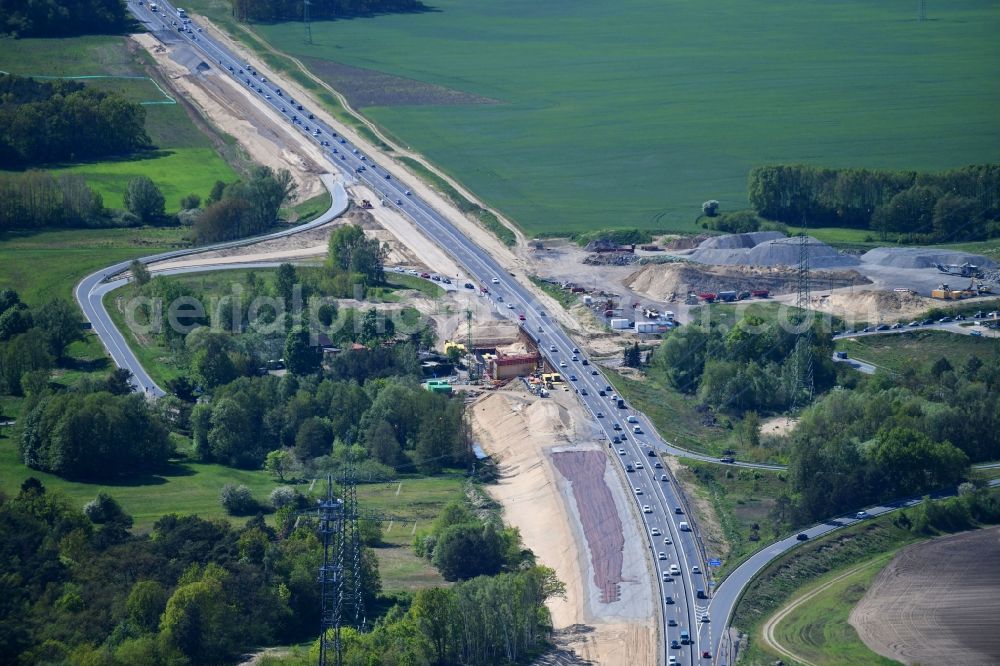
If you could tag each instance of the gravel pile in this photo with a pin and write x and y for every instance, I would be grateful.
(737, 241)
(768, 248)
(922, 257)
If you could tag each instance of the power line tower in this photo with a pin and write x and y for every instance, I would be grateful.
(341, 598)
(305, 20)
(802, 390)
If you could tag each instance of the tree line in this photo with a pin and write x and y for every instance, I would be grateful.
(243, 208)
(80, 588)
(285, 10)
(61, 18)
(961, 204)
(42, 122)
(895, 435)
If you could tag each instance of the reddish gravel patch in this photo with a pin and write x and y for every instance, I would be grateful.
(599, 516)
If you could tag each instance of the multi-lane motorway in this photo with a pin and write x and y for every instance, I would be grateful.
(657, 498)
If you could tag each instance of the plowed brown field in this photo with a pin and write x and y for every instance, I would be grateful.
(937, 602)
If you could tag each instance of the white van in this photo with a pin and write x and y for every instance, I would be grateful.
(683, 526)
(632, 419)
(637, 430)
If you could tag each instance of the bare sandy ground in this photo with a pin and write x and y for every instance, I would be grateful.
(523, 433)
(234, 110)
(937, 602)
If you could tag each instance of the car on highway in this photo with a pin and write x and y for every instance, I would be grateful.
(705, 654)
(647, 509)
(663, 477)
(914, 324)
(510, 306)
(672, 660)
(562, 364)
(667, 541)
(704, 617)
(677, 510)
(674, 645)
(469, 285)
(651, 453)
(695, 569)
(861, 515)
(638, 465)
(658, 465)
(944, 320)
(552, 348)
(621, 452)
(896, 326)
(616, 440)
(801, 536)
(671, 622)
(668, 599)
(661, 555)
(675, 570)
(882, 327)
(572, 378)
(575, 357)
(638, 491)
(594, 372)
(616, 426)
(927, 322)
(655, 531)
(600, 415)
(521, 317)
(399, 202)
(407, 192)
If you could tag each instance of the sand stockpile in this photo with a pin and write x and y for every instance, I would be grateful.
(873, 306)
(769, 248)
(660, 281)
(922, 257)
(608, 615)
(936, 602)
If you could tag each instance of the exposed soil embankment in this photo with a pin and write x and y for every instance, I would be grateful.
(557, 489)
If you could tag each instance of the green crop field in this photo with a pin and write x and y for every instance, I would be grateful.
(584, 115)
(185, 160)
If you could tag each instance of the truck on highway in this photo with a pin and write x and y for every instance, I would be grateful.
(181, 13)
(683, 526)
(152, 6)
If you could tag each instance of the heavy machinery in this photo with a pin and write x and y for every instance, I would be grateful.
(961, 270)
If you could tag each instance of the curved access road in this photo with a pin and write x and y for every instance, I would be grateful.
(91, 289)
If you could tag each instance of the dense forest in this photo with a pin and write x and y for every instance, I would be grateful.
(61, 18)
(32, 340)
(76, 587)
(57, 121)
(291, 10)
(748, 368)
(958, 205)
(895, 435)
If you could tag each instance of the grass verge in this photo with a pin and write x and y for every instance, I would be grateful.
(567, 299)
(784, 577)
(44, 264)
(748, 503)
(818, 629)
(899, 352)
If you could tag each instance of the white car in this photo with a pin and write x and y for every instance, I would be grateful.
(667, 541)
(638, 465)
(661, 555)
(695, 569)
(663, 477)
(621, 452)
(495, 280)
(552, 348)
(675, 570)
(638, 491)
(646, 508)
(704, 617)
(655, 531)
(562, 364)
(510, 306)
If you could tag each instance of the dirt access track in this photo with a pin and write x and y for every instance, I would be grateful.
(937, 602)
(557, 488)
